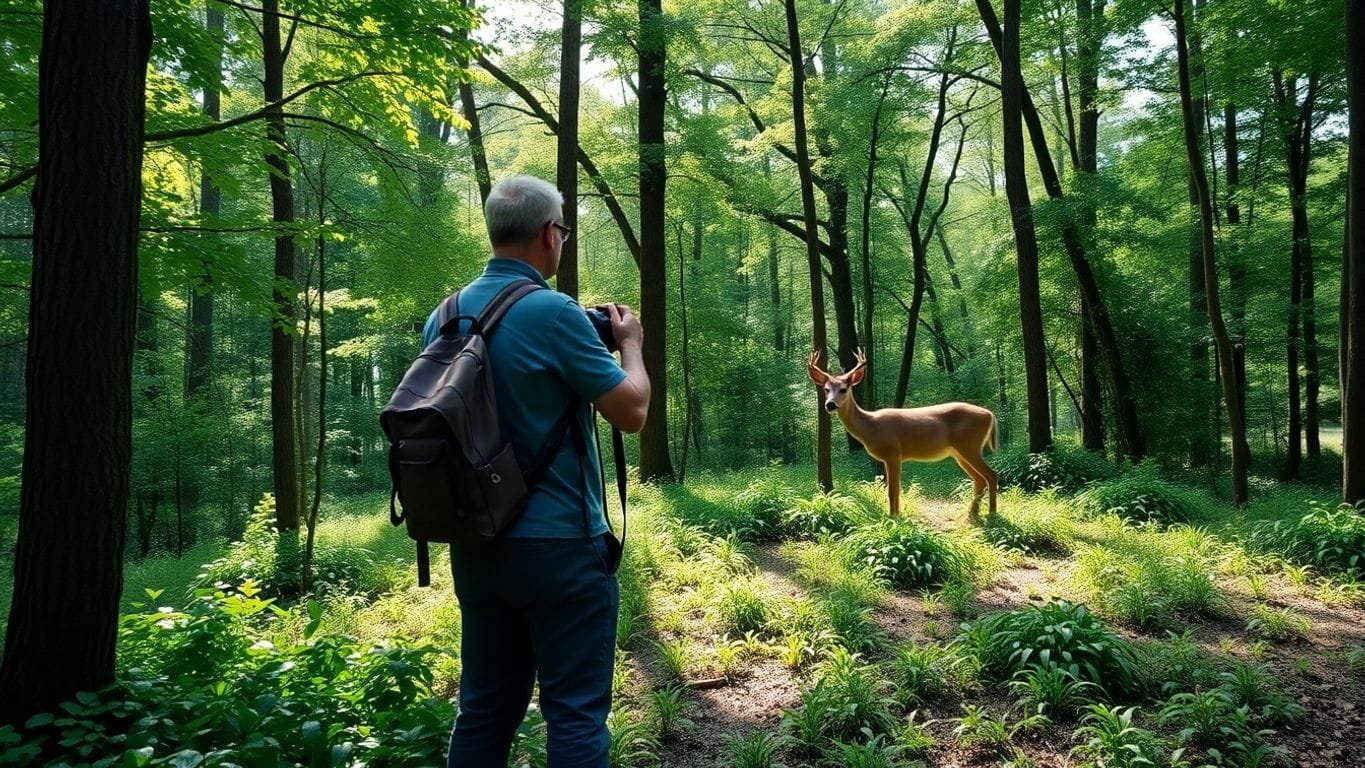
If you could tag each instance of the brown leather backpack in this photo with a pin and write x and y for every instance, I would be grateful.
(453, 471)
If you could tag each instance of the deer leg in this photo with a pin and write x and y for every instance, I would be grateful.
(893, 485)
(987, 474)
(978, 484)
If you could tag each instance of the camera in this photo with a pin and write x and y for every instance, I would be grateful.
(601, 322)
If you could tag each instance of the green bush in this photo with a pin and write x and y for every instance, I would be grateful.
(848, 698)
(209, 686)
(1067, 468)
(1146, 579)
(1058, 633)
(1140, 497)
(1332, 539)
(274, 562)
(760, 508)
(904, 553)
(824, 514)
(1031, 524)
(1108, 739)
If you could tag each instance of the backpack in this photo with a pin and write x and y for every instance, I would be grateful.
(454, 473)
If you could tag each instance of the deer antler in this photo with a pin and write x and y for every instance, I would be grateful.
(813, 368)
(860, 359)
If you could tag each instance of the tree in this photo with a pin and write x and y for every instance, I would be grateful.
(1353, 268)
(199, 353)
(654, 461)
(68, 568)
(1025, 240)
(823, 465)
(566, 156)
(1240, 453)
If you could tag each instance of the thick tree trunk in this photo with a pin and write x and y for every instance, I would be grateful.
(1090, 37)
(869, 182)
(654, 460)
(1026, 243)
(68, 561)
(1353, 276)
(282, 401)
(824, 468)
(1240, 453)
(566, 155)
(199, 352)
(1200, 437)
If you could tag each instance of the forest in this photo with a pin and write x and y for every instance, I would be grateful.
(1134, 230)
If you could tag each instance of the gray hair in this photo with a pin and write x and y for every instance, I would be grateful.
(518, 207)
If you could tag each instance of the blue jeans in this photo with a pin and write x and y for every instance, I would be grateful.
(535, 608)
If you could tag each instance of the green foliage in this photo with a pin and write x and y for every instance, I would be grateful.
(761, 507)
(1147, 579)
(758, 750)
(905, 554)
(275, 562)
(1050, 691)
(1332, 539)
(1227, 734)
(1284, 624)
(978, 727)
(1058, 633)
(743, 608)
(208, 684)
(1067, 468)
(1179, 664)
(1110, 740)
(873, 751)
(632, 742)
(1140, 496)
(1033, 524)
(824, 514)
(847, 698)
(670, 711)
(921, 673)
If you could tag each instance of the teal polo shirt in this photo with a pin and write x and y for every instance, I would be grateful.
(544, 354)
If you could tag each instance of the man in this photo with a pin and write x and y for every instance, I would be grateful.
(541, 600)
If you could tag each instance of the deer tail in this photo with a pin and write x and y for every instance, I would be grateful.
(993, 437)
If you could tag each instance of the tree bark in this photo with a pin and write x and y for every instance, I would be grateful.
(1026, 243)
(1240, 452)
(471, 115)
(869, 182)
(1090, 38)
(654, 460)
(824, 468)
(1237, 272)
(199, 355)
(1353, 275)
(566, 155)
(68, 561)
(282, 332)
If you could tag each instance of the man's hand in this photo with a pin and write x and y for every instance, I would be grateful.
(625, 326)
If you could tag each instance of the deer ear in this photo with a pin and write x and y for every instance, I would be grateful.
(856, 377)
(816, 375)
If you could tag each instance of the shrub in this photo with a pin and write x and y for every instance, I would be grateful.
(207, 685)
(274, 562)
(848, 697)
(760, 507)
(1058, 633)
(823, 514)
(1066, 467)
(1050, 691)
(1032, 525)
(743, 607)
(1331, 539)
(922, 672)
(1112, 741)
(1140, 497)
(1280, 625)
(904, 553)
(1179, 664)
(1146, 579)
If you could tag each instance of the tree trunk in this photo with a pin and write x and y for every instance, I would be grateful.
(566, 155)
(1240, 452)
(199, 355)
(1130, 428)
(824, 468)
(1353, 274)
(1026, 243)
(68, 560)
(285, 456)
(1090, 38)
(686, 352)
(869, 182)
(654, 460)
(1237, 272)
(1200, 440)
(471, 115)
(320, 457)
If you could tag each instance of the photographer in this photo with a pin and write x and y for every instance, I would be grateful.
(540, 602)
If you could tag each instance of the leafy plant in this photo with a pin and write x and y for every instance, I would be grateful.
(1140, 496)
(824, 514)
(758, 750)
(922, 672)
(632, 743)
(760, 508)
(1110, 740)
(980, 728)
(1280, 625)
(1050, 691)
(1328, 538)
(904, 553)
(743, 607)
(1067, 468)
(1146, 579)
(669, 707)
(1058, 633)
(873, 751)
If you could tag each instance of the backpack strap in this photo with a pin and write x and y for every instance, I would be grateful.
(448, 314)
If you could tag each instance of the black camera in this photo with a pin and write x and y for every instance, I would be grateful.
(601, 322)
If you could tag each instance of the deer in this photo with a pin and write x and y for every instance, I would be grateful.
(929, 433)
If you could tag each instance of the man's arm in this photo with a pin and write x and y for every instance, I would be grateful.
(626, 405)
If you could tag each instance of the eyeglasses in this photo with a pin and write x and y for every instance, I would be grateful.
(567, 232)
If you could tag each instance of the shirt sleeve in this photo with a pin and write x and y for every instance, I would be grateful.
(580, 357)
(431, 330)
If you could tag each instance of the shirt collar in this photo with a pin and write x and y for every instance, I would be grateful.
(504, 267)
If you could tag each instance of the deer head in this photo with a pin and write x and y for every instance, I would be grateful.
(836, 389)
